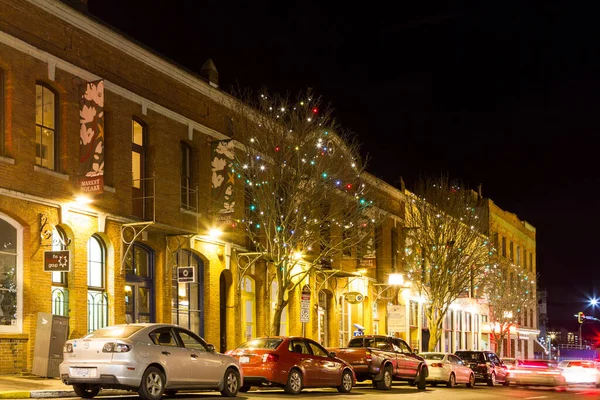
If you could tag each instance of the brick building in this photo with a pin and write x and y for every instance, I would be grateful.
(151, 208)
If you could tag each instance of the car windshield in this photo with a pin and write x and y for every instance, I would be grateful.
(470, 356)
(432, 356)
(262, 343)
(117, 332)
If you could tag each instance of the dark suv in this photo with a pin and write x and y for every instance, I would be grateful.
(486, 365)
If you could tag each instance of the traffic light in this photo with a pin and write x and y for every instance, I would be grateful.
(580, 317)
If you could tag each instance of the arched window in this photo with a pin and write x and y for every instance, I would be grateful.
(46, 119)
(188, 298)
(248, 308)
(97, 296)
(60, 292)
(11, 271)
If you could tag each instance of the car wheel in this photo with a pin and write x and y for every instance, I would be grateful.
(471, 382)
(386, 380)
(294, 382)
(84, 391)
(422, 379)
(346, 385)
(245, 388)
(451, 381)
(492, 379)
(231, 383)
(506, 381)
(153, 384)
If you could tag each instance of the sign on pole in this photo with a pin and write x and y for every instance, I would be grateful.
(186, 274)
(305, 305)
(57, 260)
(396, 318)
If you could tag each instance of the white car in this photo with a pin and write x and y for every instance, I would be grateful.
(580, 372)
(447, 368)
(152, 359)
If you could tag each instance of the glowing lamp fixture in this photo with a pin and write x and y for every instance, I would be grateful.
(395, 279)
(215, 233)
(83, 200)
(298, 255)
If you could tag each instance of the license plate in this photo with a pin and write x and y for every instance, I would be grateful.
(84, 372)
(244, 360)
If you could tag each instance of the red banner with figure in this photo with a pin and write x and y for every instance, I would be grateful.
(91, 137)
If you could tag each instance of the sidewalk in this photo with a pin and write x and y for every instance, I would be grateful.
(26, 386)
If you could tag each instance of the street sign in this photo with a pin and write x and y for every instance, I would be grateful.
(305, 304)
(396, 318)
(57, 260)
(186, 274)
(354, 297)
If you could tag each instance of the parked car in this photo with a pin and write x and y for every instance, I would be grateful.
(152, 359)
(538, 373)
(512, 363)
(383, 359)
(580, 372)
(293, 363)
(486, 365)
(449, 369)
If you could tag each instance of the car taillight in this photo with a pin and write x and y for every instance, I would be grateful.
(270, 357)
(116, 348)
(437, 365)
(368, 356)
(68, 348)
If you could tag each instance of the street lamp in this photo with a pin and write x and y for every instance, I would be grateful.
(592, 302)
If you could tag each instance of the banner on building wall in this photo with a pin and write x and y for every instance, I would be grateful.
(396, 318)
(223, 180)
(367, 256)
(91, 137)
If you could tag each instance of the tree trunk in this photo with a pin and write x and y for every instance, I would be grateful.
(435, 334)
(276, 323)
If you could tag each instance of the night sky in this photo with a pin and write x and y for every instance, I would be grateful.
(505, 94)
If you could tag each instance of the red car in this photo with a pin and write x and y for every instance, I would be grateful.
(293, 363)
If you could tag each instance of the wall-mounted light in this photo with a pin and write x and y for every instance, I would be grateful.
(215, 233)
(395, 279)
(82, 200)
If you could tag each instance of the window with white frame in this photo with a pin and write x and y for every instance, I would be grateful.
(11, 271)
(248, 308)
(46, 138)
(97, 296)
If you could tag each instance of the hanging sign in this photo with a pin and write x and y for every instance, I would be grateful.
(57, 261)
(186, 274)
(354, 297)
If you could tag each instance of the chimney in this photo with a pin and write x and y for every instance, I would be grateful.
(209, 72)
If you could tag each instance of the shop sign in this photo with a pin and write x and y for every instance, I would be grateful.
(57, 261)
(354, 297)
(186, 274)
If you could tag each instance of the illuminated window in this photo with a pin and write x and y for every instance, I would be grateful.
(248, 309)
(11, 270)
(187, 300)
(97, 296)
(46, 138)
(138, 167)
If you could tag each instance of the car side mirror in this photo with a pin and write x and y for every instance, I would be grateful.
(332, 354)
(211, 348)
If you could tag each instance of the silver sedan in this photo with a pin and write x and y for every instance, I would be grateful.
(152, 359)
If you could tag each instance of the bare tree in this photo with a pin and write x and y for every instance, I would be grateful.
(305, 201)
(509, 291)
(447, 251)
